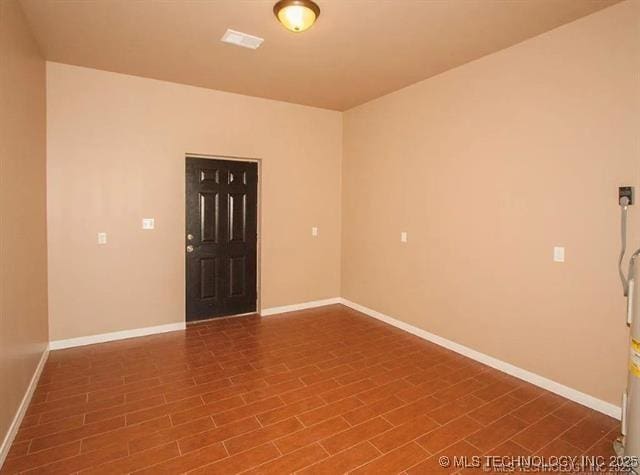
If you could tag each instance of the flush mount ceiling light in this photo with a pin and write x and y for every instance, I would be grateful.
(296, 15)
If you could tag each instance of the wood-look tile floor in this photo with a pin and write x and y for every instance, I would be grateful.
(326, 390)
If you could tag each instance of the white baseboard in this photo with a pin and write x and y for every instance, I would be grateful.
(533, 378)
(299, 306)
(121, 335)
(22, 408)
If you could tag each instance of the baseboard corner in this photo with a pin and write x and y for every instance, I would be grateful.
(118, 335)
(300, 306)
(22, 408)
(575, 395)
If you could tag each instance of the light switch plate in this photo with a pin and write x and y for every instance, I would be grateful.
(558, 254)
(102, 238)
(403, 236)
(148, 223)
(314, 231)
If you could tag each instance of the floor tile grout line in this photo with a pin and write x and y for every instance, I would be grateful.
(575, 424)
(384, 454)
(319, 441)
(422, 435)
(225, 458)
(380, 382)
(49, 463)
(528, 425)
(594, 444)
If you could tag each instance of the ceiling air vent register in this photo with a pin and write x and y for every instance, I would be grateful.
(241, 39)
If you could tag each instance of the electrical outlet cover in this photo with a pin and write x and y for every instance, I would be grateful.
(558, 254)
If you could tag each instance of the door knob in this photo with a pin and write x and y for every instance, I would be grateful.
(189, 248)
(189, 237)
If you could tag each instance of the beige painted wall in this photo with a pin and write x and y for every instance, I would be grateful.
(116, 154)
(23, 249)
(487, 167)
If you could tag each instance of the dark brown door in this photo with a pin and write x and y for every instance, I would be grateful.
(221, 237)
